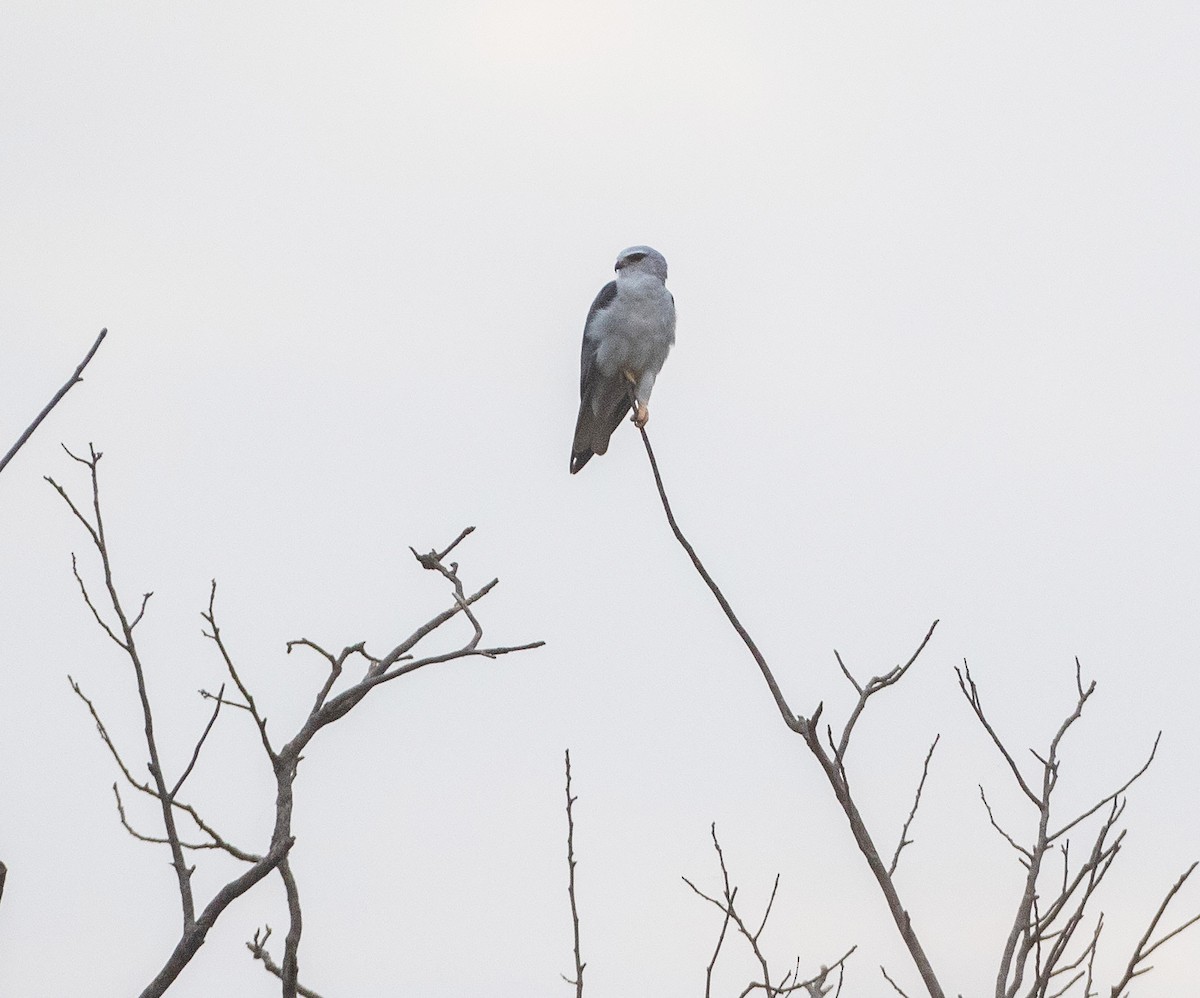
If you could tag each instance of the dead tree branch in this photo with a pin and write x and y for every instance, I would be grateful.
(1037, 961)
(577, 982)
(71, 383)
(1144, 947)
(258, 949)
(832, 765)
(119, 626)
(790, 983)
(904, 839)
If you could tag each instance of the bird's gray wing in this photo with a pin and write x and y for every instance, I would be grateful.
(592, 432)
(606, 296)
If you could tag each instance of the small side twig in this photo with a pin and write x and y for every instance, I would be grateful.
(790, 982)
(258, 949)
(1144, 947)
(904, 839)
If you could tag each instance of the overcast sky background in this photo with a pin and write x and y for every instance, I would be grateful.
(936, 274)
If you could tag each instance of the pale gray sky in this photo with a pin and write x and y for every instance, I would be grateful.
(937, 357)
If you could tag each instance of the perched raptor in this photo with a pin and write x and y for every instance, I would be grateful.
(629, 330)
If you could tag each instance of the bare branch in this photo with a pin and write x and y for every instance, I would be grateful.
(808, 729)
(1144, 948)
(1007, 838)
(875, 685)
(579, 963)
(291, 949)
(214, 635)
(789, 983)
(258, 949)
(971, 692)
(785, 711)
(888, 978)
(433, 562)
(75, 378)
(1112, 796)
(846, 672)
(87, 599)
(95, 529)
(284, 761)
(1036, 959)
(904, 840)
(199, 743)
(218, 841)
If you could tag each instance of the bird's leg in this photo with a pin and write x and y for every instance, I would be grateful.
(641, 414)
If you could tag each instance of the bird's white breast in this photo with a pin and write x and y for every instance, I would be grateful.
(635, 333)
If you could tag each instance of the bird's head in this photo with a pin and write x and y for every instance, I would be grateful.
(642, 260)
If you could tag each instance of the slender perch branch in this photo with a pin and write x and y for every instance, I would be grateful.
(833, 766)
(71, 383)
(784, 710)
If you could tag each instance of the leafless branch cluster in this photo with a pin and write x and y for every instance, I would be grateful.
(330, 704)
(789, 983)
(1039, 960)
(76, 377)
(1036, 962)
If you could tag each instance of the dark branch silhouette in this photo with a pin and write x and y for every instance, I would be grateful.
(789, 983)
(71, 383)
(1037, 961)
(329, 705)
(577, 981)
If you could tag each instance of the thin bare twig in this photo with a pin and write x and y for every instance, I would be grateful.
(875, 685)
(258, 949)
(1144, 947)
(75, 378)
(199, 744)
(789, 983)
(782, 705)
(579, 963)
(897, 987)
(214, 635)
(904, 839)
(1028, 856)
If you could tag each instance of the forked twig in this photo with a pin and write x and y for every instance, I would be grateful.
(258, 949)
(790, 982)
